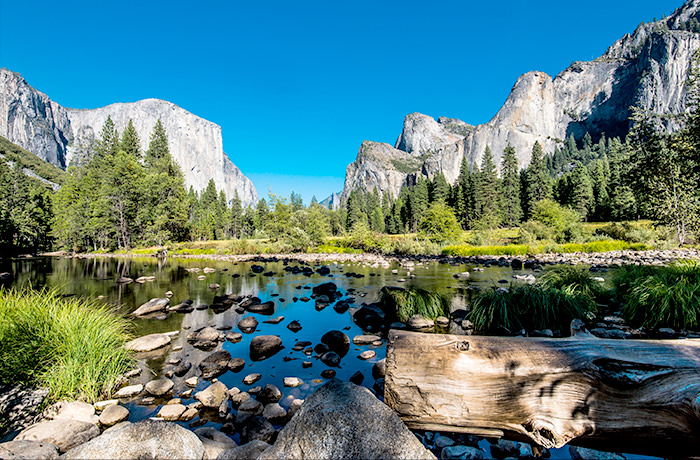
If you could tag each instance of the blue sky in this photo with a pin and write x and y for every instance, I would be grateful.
(297, 85)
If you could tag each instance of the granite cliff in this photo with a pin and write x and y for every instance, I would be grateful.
(58, 135)
(647, 69)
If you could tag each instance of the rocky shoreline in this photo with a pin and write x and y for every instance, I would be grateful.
(606, 259)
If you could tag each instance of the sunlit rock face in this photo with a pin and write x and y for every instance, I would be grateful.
(58, 135)
(647, 69)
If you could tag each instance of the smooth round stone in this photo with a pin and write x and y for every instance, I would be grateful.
(251, 379)
(213, 395)
(129, 391)
(274, 413)
(328, 374)
(365, 339)
(16, 450)
(236, 364)
(171, 412)
(292, 382)
(192, 382)
(367, 354)
(159, 387)
(330, 358)
(111, 415)
(148, 343)
(234, 337)
(248, 324)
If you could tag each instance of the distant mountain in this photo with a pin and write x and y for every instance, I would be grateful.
(35, 122)
(646, 69)
(332, 202)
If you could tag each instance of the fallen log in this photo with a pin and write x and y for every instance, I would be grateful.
(623, 395)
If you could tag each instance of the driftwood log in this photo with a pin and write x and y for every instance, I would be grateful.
(622, 395)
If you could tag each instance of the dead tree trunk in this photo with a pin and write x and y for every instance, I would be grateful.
(621, 395)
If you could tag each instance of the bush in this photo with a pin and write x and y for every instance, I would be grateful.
(439, 224)
(661, 296)
(628, 231)
(564, 222)
(572, 278)
(528, 307)
(73, 347)
(412, 301)
(533, 231)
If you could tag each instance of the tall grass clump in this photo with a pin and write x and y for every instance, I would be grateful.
(73, 347)
(661, 296)
(573, 278)
(528, 307)
(413, 301)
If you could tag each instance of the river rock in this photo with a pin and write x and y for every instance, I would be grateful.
(275, 320)
(214, 441)
(73, 410)
(328, 374)
(582, 453)
(292, 382)
(342, 420)
(239, 398)
(269, 394)
(246, 451)
(370, 318)
(113, 414)
(294, 326)
(248, 409)
(147, 439)
(461, 453)
(275, 413)
(418, 322)
(251, 378)
(148, 342)
(367, 354)
(19, 405)
(258, 428)
(207, 334)
(20, 450)
(265, 308)
(505, 448)
(249, 302)
(182, 368)
(264, 346)
(215, 364)
(129, 391)
(248, 324)
(152, 306)
(379, 369)
(213, 395)
(159, 387)
(64, 433)
(236, 364)
(171, 412)
(234, 337)
(327, 289)
(101, 405)
(337, 341)
(365, 339)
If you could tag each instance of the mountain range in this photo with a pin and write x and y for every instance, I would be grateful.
(647, 69)
(30, 119)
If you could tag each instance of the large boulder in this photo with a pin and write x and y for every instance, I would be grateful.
(370, 318)
(19, 405)
(152, 306)
(147, 439)
(16, 450)
(343, 420)
(337, 341)
(63, 433)
(327, 289)
(245, 451)
(213, 395)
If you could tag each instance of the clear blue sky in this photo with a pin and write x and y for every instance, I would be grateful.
(297, 85)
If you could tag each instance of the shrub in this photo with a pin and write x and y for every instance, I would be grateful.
(528, 307)
(572, 278)
(564, 222)
(412, 301)
(533, 231)
(628, 231)
(71, 346)
(661, 296)
(439, 224)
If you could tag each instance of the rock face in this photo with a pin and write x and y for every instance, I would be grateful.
(58, 135)
(342, 420)
(647, 69)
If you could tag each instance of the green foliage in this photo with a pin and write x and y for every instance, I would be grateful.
(44, 169)
(565, 222)
(628, 231)
(528, 307)
(510, 189)
(533, 249)
(71, 346)
(572, 278)
(439, 224)
(661, 296)
(412, 301)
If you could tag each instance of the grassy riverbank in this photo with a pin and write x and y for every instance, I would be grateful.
(70, 346)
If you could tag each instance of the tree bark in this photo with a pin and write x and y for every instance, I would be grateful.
(621, 395)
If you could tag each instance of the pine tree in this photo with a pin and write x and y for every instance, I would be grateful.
(418, 201)
(581, 191)
(511, 209)
(537, 186)
(108, 142)
(236, 215)
(487, 190)
(439, 189)
(130, 143)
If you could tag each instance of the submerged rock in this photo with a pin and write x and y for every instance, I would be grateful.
(264, 346)
(148, 342)
(152, 306)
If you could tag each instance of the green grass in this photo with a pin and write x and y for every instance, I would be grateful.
(71, 346)
(413, 301)
(466, 250)
(528, 307)
(573, 278)
(661, 296)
